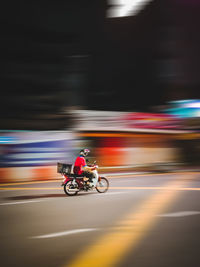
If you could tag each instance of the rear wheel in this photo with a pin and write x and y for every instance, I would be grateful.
(102, 185)
(71, 189)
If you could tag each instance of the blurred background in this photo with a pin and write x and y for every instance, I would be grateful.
(118, 77)
(121, 78)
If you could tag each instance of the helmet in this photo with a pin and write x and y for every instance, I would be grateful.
(84, 152)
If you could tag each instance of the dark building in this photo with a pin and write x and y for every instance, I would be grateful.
(56, 55)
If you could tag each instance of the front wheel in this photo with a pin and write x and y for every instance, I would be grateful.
(102, 185)
(71, 189)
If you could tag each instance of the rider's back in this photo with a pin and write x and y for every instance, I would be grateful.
(79, 163)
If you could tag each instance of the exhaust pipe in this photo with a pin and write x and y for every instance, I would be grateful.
(73, 190)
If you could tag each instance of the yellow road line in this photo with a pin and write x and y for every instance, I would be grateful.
(34, 182)
(134, 175)
(148, 174)
(126, 234)
(155, 188)
(29, 188)
(115, 188)
(107, 175)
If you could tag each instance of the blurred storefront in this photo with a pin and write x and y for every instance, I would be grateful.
(124, 139)
(33, 155)
(116, 140)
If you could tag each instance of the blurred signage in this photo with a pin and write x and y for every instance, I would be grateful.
(152, 121)
(36, 149)
(120, 121)
(91, 120)
(184, 108)
(7, 139)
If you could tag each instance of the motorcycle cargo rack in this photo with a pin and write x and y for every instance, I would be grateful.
(64, 168)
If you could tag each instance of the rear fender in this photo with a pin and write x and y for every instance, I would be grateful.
(66, 178)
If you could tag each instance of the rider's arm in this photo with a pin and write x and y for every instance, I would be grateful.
(84, 166)
(87, 168)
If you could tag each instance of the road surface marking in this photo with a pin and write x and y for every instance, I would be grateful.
(19, 202)
(112, 187)
(129, 175)
(107, 174)
(127, 233)
(29, 188)
(155, 188)
(110, 193)
(109, 177)
(180, 214)
(35, 182)
(70, 232)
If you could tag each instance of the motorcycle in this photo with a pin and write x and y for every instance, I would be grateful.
(73, 183)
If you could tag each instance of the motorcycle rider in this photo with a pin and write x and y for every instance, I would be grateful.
(81, 168)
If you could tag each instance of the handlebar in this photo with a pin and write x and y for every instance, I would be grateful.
(89, 164)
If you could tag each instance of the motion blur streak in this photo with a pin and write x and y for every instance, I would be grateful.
(124, 188)
(128, 232)
(30, 188)
(123, 8)
(27, 183)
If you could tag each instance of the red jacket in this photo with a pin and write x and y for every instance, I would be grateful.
(79, 163)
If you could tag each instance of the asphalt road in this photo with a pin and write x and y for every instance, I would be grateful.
(142, 221)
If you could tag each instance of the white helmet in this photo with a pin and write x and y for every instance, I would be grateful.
(84, 152)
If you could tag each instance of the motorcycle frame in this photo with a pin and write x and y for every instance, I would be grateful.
(79, 180)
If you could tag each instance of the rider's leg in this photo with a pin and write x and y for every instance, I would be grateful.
(87, 177)
(94, 178)
(91, 177)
